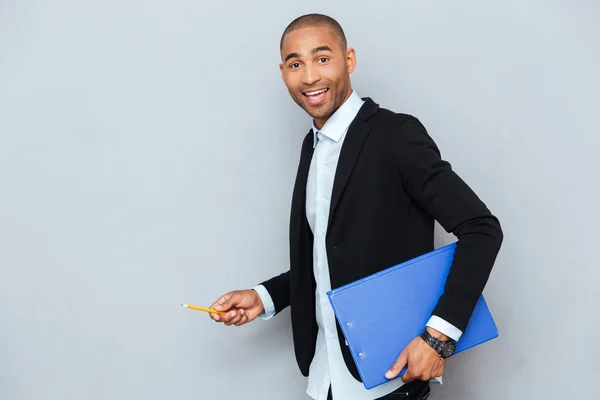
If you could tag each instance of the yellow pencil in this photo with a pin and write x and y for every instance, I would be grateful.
(209, 310)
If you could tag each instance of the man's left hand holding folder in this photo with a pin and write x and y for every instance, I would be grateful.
(423, 361)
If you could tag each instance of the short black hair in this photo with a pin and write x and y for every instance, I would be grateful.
(313, 20)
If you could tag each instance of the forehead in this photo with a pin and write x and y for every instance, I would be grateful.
(303, 40)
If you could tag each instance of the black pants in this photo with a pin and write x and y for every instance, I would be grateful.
(415, 390)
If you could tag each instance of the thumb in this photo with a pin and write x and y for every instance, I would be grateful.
(227, 302)
(398, 365)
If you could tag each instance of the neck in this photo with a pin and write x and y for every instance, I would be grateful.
(320, 122)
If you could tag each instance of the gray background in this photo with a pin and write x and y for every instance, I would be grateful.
(147, 156)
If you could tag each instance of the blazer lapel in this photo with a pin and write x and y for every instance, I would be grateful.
(304, 166)
(299, 193)
(355, 138)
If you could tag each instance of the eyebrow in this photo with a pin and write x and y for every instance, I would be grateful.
(313, 51)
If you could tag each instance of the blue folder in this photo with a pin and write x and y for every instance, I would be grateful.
(380, 314)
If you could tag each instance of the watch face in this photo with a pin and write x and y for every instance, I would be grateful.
(449, 349)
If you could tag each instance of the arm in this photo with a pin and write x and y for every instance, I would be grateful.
(432, 183)
(442, 329)
(278, 294)
(264, 301)
(265, 298)
(444, 195)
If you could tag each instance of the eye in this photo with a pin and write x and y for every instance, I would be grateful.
(294, 65)
(323, 59)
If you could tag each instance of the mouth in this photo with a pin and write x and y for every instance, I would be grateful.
(316, 97)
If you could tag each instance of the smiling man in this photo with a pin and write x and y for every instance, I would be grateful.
(369, 186)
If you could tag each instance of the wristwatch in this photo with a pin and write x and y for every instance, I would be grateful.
(444, 348)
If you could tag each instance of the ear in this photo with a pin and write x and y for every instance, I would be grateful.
(350, 60)
(281, 70)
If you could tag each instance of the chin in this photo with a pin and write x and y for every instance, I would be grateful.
(324, 111)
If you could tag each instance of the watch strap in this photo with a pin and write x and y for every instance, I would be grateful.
(437, 344)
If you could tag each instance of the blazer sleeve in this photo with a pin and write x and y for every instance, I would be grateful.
(432, 183)
(279, 290)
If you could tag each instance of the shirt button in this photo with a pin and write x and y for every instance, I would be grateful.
(330, 335)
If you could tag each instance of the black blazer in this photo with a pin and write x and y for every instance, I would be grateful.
(390, 185)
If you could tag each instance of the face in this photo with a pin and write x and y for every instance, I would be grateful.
(316, 70)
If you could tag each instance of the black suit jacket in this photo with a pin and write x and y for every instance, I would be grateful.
(390, 185)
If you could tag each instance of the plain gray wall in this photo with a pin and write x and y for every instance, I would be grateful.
(147, 157)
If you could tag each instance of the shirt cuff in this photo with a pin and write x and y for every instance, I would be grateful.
(265, 297)
(446, 328)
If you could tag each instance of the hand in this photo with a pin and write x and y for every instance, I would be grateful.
(424, 362)
(242, 306)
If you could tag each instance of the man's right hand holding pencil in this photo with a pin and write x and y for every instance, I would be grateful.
(241, 306)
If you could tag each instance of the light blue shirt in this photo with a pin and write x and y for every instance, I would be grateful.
(328, 367)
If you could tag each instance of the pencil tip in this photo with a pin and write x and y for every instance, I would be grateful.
(184, 305)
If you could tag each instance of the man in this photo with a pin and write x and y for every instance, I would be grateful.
(369, 186)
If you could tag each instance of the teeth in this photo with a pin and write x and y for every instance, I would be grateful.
(315, 93)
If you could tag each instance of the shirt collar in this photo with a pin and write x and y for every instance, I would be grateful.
(336, 125)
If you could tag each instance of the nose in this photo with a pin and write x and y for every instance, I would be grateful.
(310, 75)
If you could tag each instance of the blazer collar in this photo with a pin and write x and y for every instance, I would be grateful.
(368, 109)
(336, 125)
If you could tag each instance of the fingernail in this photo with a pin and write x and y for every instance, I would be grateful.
(232, 314)
(242, 312)
(217, 318)
(218, 308)
(388, 374)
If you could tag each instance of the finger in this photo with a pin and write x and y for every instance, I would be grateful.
(235, 321)
(397, 365)
(238, 317)
(243, 315)
(425, 369)
(215, 317)
(438, 371)
(226, 318)
(431, 367)
(234, 316)
(408, 376)
(242, 321)
(402, 373)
